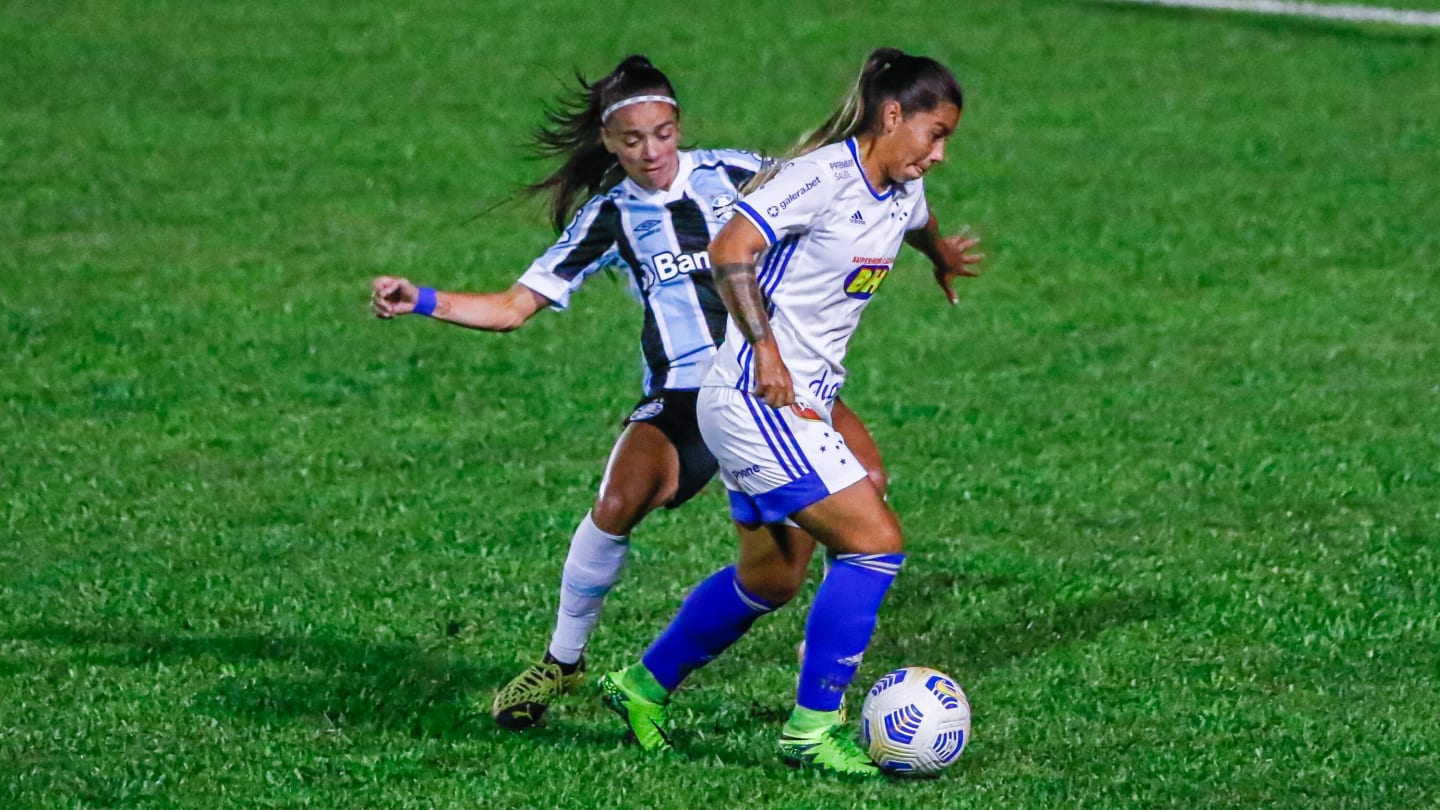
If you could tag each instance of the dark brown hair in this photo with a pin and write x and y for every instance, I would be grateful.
(572, 130)
(918, 83)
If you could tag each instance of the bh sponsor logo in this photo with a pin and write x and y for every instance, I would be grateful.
(667, 266)
(775, 209)
(864, 280)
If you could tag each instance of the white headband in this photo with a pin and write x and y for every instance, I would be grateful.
(626, 102)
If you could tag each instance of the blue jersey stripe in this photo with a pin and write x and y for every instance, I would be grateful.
(850, 142)
(754, 216)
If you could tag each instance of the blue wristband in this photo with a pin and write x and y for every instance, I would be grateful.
(425, 302)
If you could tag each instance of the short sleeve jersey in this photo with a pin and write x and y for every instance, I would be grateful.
(832, 241)
(660, 239)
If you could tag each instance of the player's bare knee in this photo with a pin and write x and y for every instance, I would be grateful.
(775, 584)
(886, 541)
(777, 592)
(884, 538)
(615, 513)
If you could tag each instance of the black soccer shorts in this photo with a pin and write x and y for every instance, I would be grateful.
(673, 412)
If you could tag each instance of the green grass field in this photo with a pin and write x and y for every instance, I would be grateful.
(1170, 475)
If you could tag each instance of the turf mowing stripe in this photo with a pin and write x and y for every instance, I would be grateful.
(1426, 19)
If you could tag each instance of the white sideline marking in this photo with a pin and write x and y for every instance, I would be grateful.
(1426, 19)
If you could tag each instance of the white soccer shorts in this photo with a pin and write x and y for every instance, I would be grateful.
(774, 462)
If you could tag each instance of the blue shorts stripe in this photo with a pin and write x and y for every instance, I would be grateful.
(779, 431)
(785, 426)
(782, 433)
(769, 440)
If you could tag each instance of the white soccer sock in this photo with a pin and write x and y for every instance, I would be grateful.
(591, 569)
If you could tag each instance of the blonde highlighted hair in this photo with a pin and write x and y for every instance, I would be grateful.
(918, 83)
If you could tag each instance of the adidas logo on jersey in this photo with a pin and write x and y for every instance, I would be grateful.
(856, 219)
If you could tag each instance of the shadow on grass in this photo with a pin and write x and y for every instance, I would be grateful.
(406, 688)
(331, 682)
(940, 638)
(922, 623)
(998, 645)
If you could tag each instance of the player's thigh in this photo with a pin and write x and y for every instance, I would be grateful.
(642, 474)
(853, 520)
(861, 443)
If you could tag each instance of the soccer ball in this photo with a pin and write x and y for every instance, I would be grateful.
(915, 720)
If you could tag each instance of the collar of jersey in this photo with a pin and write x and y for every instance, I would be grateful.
(677, 186)
(850, 142)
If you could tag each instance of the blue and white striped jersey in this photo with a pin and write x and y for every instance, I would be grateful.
(662, 239)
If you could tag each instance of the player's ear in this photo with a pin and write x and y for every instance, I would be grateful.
(890, 115)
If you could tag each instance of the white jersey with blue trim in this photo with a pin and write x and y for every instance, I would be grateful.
(833, 240)
(661, 238)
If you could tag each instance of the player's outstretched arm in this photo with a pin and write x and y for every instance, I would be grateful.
(490, 312)
(732, 255)
(951, 255)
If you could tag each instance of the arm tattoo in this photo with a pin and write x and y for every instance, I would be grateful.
(739, 288)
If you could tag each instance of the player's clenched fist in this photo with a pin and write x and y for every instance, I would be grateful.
(392, 295)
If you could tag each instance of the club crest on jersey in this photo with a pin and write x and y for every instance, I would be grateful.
(723, 207)
(646, 411)
(865, 280)
(806, 412)
(667, 266)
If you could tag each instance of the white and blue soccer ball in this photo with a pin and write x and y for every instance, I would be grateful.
(915, 721)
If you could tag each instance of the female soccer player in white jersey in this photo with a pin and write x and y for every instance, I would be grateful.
(828, 225)
(653, 211)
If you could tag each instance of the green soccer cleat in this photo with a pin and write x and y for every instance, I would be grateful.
(830, 749)
(645, 717)
(523, 701)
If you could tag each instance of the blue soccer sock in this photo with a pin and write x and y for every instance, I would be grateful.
(840, 625)
(714, 616)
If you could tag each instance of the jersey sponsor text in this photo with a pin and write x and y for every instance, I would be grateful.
(670, 265)
(793, 196)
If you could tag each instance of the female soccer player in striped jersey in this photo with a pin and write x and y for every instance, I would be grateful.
(653, 211)
(827, 225)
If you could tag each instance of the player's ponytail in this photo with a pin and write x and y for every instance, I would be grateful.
(572, 130)
(918, 83)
